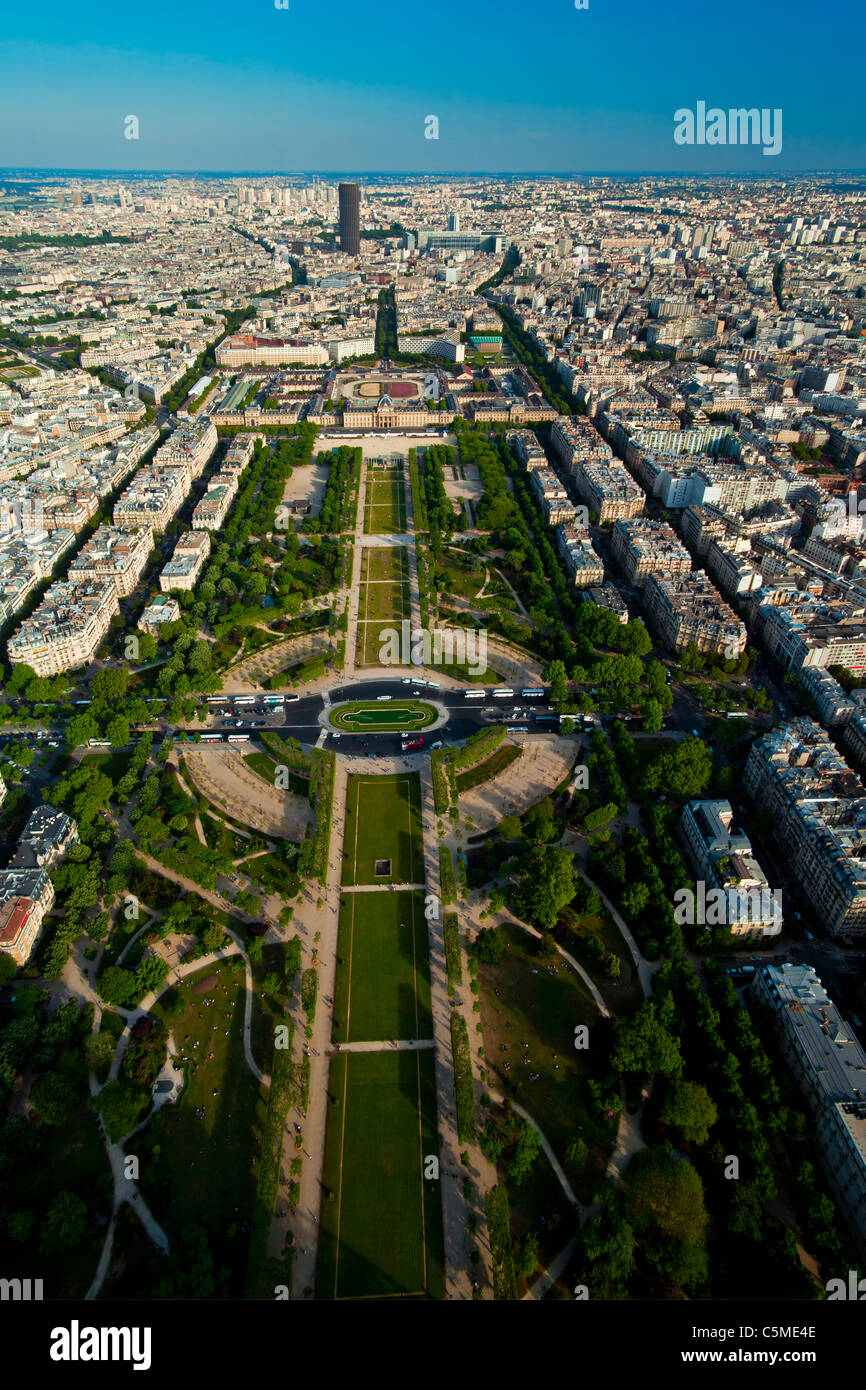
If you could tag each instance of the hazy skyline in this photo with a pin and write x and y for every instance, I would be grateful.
(315, 87)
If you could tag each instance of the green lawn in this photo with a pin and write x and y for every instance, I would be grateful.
(205, 1171)
(383, 822)
(384, 600)
(385, 504)
(384, 563)
(381, 1222)
(383, 974)
(543, 1009)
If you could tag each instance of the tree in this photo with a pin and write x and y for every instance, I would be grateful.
(110, 685)
(489, 945)
(652, 716)
(554, 675)
(527, 1259)
(525, 1146)
(665, 1203)
(50, 1098)
(120, 1107)
(546, 887)
(643, 1043)
(117, 732)
(510, 828)
(690, 1108)
(19, 1225)
(64, 1224)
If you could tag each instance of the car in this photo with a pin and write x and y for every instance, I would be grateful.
(437, 744)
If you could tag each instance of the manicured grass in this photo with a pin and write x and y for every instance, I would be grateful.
(383, 821)
(384, 601)
(483, 772)
(544, 1009)
(383, 975)
(265, 766)
(381, 1220)
(361, 716)
(385, 503)
(384, 563)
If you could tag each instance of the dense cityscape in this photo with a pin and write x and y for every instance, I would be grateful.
(433, 737)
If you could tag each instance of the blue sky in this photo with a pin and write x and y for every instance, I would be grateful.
(334, 85)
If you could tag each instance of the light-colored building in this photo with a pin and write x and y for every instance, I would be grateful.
(65, 631)
(26, 890)
(834, 706)
(163, 609)
(688, 608)
(248, 350)
(723, 859)
(829, 1067)
(152, 498)
(118, 553)
(187, 562)
(644, 547)
(579, 556)
(818, 806)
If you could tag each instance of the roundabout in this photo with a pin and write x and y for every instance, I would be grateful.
(383, 716)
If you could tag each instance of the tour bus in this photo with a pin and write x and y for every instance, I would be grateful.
(211, 738)
(243, 699)
(239, 738)
(290, 699)
(738, 714)
(82, 702)
(215, 699)
(504, 694)
(518, 728)
(532, 694)
(547, 718)
(275, 699)
(98, 743)
(433, 685)
(475, 695)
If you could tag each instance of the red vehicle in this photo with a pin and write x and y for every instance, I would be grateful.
(412, 744)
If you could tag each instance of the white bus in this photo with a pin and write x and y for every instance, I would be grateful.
(532, 694)
(475, 695)
(211, 738)
(275, 699)
(243, 699)
(518, 729)
(98, 743)
(503, 694)
(290, 699)
(216, 699)
(239, 738)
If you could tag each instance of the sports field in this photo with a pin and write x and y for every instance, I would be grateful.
(381, 1222)
(383, 826)
(383, 972)
(384, 502)
(382, 716)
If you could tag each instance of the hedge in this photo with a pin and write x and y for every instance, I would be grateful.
(463, 1085)
(447, 877)
(499, 1231)
(453, 954)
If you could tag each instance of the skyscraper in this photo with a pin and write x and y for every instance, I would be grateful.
(350, 219)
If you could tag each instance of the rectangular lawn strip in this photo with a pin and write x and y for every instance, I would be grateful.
(383, 822)
(382, 987)
(386, 600)
(381, 1232)
(544, 1009)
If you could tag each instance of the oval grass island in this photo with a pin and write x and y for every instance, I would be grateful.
(382, 716)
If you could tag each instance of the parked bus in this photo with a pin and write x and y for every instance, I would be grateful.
(738, 714)
(239, 738)
(243, 699)
(532, 694)
(475, 695)
(546, 718)
(503, 694)
(518, 728)
(275, 699)
(211, 738)
(215, 699)
(291, 699)
(82, 702)
(98, 743)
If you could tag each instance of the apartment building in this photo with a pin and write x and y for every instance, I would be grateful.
(26, 890)
(186, 563)
(574, 440)
(818, 806)
(643, 547)
(810, 632)
(551, 496)
(834, 706)
(190, 447)
(582, 562)
(525, 446)
(722, 857)
(210, 513)
(152, 498)
(732, 573)
(854, 740)
(688, 608)
(118, 553)
(608, 490)
(66, 629)
(829, 1066)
